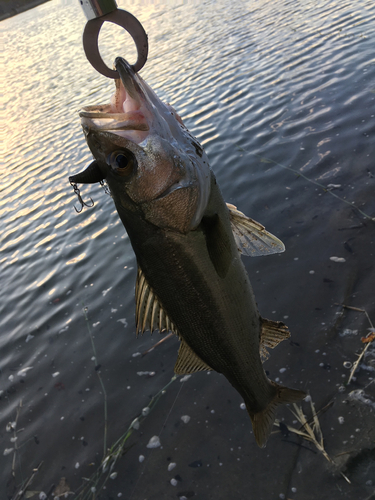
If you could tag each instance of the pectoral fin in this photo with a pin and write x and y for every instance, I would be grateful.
(149, 314)
(251, 237)
(273, 332)
(188, 361)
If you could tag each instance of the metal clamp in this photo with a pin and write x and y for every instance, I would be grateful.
(99, 11)
(97, 8)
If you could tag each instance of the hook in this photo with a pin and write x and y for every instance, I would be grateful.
(83, 203)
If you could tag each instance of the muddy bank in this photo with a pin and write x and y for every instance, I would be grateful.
(9, 8)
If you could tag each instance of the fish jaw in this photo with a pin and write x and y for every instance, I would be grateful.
(128, 113)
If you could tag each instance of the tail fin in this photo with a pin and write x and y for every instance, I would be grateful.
(263, 420)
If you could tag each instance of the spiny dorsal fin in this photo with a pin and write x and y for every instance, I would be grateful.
(149, 314)
(251, 237)
(188, 361)
(273, 332)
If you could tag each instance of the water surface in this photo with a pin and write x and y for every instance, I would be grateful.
(266, 87)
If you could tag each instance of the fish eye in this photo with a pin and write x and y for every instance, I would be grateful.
(122, 162)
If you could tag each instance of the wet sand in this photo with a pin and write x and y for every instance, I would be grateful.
(9, 8)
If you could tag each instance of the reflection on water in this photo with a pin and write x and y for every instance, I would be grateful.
(261, 84)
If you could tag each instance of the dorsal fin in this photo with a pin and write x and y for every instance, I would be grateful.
(149, 314)
(251, 237)
(273, 332)
(188, 361)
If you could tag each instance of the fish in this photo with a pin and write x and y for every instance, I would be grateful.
(188, 243)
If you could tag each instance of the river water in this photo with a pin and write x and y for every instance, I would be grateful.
(282, 97)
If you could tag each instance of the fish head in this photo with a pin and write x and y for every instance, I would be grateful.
(151, 162)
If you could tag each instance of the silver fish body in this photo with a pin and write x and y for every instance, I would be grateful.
(188, 244)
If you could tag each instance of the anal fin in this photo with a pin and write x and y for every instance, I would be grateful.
(188, 361)
(273, 332)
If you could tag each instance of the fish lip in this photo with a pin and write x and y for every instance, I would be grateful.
(101, 118)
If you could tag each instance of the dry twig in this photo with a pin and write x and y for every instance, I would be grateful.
(312, 433)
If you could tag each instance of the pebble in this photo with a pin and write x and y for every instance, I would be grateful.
(154, 442)
(337, 259)
(141, 458)
(348, 331)
(135, 424)
(174, 481)
(185, 419)
(341, 420)
(22, 373)
(171, 466)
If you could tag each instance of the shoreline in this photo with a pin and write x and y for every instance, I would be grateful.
(11, 8)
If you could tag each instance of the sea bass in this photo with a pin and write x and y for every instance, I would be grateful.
(188, 243)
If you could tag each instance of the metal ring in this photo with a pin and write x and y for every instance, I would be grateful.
(130, 24)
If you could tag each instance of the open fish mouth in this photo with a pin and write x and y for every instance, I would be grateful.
(127, 114)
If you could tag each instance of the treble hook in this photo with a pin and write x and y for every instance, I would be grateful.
(83, 203)
(100, 11)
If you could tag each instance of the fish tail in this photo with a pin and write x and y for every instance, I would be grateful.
(263, 420)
